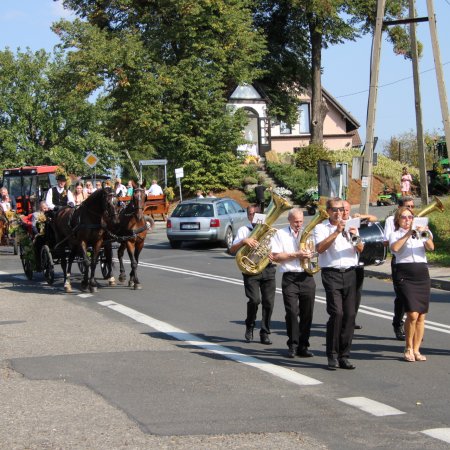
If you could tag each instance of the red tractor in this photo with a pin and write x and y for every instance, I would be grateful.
(27, 186)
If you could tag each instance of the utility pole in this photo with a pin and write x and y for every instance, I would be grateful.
(439, 71)
(366, 180)
(418, 105)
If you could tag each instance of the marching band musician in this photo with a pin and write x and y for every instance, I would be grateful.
(411, 278)
(259, 288)
(58, 195)
(298, 287)
(399, 309)
(359, 268)
(338, 258)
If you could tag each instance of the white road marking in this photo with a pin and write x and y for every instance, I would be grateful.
(371, 406)
(3, 273)
(20, 277)
(84, 295)
(370, 311)
(439, 433)
(188, 338)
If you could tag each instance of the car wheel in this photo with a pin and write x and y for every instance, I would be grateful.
(175, 244)
(379, 203)
(228, 240)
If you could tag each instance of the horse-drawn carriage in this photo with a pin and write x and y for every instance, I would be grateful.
(86, 235)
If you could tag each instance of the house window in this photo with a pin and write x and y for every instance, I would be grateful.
(303, 118)
(285, 128)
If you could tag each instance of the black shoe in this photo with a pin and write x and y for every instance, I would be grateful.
(249, 334)
(358, 327)
(344, 363)
(291, 352)
(264, 338)
(304, 353)
(400, 333)
(333, 363)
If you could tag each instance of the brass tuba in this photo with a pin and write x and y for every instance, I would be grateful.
(311, 266)
(252, 261)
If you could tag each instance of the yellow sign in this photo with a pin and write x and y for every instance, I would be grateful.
(91, 160)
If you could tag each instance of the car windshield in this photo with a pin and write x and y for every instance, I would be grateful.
(193, 210)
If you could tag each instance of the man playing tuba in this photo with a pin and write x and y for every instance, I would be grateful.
(260, 286)
(298, 286)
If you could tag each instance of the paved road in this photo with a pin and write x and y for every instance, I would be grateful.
(126, 369)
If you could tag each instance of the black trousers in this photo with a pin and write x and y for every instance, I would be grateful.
(359, 270)
(260, 289)
(399, 307)
(299, 291)
(340, 289)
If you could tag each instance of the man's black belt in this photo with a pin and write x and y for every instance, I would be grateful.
(334, 269)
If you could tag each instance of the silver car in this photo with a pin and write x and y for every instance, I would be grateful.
(206, 219)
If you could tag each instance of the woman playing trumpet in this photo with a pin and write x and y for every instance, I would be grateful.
(411, 278)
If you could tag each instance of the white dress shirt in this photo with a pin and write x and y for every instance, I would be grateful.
(286, 242)
(242, 233)
(412, 251)
(388, 227)
(341, 254)
(155, 189)
(49, 197)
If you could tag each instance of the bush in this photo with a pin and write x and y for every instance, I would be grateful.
(306, 158)
(298, 181)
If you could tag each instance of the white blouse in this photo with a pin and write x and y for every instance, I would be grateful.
(412, 251)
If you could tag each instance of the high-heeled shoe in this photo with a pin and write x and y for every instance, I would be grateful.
(419, 357)
(409, 355)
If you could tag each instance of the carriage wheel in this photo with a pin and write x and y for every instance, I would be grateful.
(27, 266)
(48, 268)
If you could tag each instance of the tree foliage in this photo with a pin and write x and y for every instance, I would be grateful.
(166, 68)
(44, 121)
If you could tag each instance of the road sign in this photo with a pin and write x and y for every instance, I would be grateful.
(179, 173)
(153, 162)
(91, 160)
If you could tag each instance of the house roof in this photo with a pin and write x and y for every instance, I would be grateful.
(351, 122)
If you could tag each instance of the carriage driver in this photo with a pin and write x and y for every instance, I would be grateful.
(58, 196)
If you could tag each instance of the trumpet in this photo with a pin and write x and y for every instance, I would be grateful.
(423, 236)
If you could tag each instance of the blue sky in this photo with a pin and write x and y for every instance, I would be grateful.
(26, 23)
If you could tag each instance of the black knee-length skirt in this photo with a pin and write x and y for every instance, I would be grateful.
(413, 285)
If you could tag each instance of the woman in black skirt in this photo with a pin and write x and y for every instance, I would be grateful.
(411, 279)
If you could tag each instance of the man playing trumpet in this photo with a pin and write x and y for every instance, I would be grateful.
(338, 258)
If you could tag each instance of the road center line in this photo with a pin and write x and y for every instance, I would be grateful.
(370, 311)
(163, 327)
(371, 406)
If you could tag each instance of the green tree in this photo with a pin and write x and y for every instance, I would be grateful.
(44, 121)
(298, 31)
(166, 68)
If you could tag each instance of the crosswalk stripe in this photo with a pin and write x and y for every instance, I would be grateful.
(442, 434)
(371, 406)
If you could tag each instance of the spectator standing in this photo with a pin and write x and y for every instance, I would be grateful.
(155, 189)
(11, 200)
(298, 287)
(199, 194)
(130, 188)
(98, 185)
(405, 182)
(412, 279)
(89, 188)
(260, 287)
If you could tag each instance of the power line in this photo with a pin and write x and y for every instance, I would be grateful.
(391, 83)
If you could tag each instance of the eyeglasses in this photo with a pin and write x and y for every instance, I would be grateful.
(337, 209)
(407, 217)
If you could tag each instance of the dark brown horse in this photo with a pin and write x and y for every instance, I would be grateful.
(131, 234)
(84, 228)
